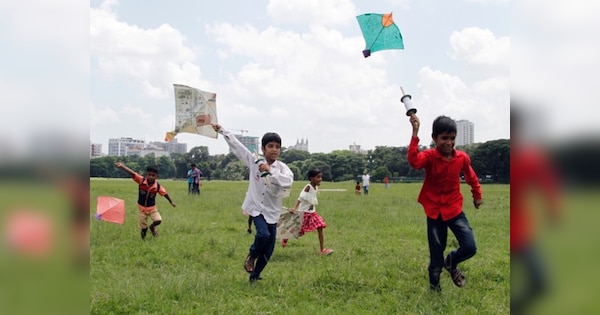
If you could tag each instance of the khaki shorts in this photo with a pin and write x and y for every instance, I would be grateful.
(143, 218)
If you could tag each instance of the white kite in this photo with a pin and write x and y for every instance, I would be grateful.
(195, 110)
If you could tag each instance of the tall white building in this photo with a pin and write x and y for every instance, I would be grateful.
(118, 146)
(465, 132)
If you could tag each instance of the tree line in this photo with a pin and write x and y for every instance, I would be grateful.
(490, 160)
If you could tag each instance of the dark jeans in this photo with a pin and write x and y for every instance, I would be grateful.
(264, 244)
(196, 188)
(528, 265)
(437, 235)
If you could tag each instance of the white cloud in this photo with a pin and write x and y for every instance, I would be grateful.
(153, 58)
(100, 116)
(312, 12)
(479, 47)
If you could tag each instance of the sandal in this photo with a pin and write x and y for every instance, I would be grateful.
(456, 274)
(249, 264)
(326, 251)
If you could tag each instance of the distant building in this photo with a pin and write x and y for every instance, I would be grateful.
(172, 146)
(95, 150)
(301, 145)
(147, 149)
(129, 146)
(465, 133)
(355, 148)
(118, 146)
(249, 142)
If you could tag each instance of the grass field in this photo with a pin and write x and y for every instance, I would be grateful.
(379, 265)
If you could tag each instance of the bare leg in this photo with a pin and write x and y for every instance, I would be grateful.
(321, 241)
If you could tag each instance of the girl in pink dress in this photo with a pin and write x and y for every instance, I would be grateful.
(306, 203)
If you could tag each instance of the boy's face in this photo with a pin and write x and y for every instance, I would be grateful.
(271, 151)
(445, 142)
(151, 177)
(316, 181)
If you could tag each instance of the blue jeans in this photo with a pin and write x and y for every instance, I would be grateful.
(366, 189)
(264, 244)
(437, 236)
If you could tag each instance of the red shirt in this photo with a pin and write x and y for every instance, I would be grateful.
(440, 193)
(530, 173)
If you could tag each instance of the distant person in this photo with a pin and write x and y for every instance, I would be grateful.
(267, 183)
(148, 189)
(190, 181)
(307, 203)
(386, 182)
(442, 199)
(357, 189)
(366, 182)
(532, 176)
(196, 175)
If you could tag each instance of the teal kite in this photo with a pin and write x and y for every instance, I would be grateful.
(380, 32)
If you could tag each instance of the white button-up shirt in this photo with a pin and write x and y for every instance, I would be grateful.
(262, 198)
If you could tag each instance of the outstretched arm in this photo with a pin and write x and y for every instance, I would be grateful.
(170, 201)
(125, 168)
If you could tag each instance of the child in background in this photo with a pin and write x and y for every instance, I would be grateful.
(306, 203)
(357, 189)
(148, 188)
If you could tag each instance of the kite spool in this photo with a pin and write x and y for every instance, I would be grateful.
(406, 99)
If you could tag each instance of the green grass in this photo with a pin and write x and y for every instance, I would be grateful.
(379, 265)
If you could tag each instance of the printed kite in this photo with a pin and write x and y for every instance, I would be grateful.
(289, 224)
(195, 110)
(380, 32)
(110, 209)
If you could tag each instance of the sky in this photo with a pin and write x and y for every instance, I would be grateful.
(296, 67)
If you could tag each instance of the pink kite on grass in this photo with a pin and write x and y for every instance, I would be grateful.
(110, 209)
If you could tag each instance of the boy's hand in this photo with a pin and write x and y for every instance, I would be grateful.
(416, 123)
(118, 164)
(216, 127)
(477, 203)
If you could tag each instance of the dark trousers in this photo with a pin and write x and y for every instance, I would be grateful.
(528, 265)
(264, 244)
(437, 236)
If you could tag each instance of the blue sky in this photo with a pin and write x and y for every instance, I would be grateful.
(295, 67)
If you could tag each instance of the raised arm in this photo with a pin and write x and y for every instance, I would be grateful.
(238, 149)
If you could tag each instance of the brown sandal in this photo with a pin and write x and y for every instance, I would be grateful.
(249, 264)
(458, 277)
(456, 274)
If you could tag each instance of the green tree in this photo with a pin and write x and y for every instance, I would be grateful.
(492, 158)
(293, 155)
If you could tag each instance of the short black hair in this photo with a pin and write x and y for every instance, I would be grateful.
(443, 124)
(152, 169)
(193, 164)
(270, 137)
(314, 172)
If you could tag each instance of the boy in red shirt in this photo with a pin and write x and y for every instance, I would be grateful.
(442, 200)
(148, 189)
